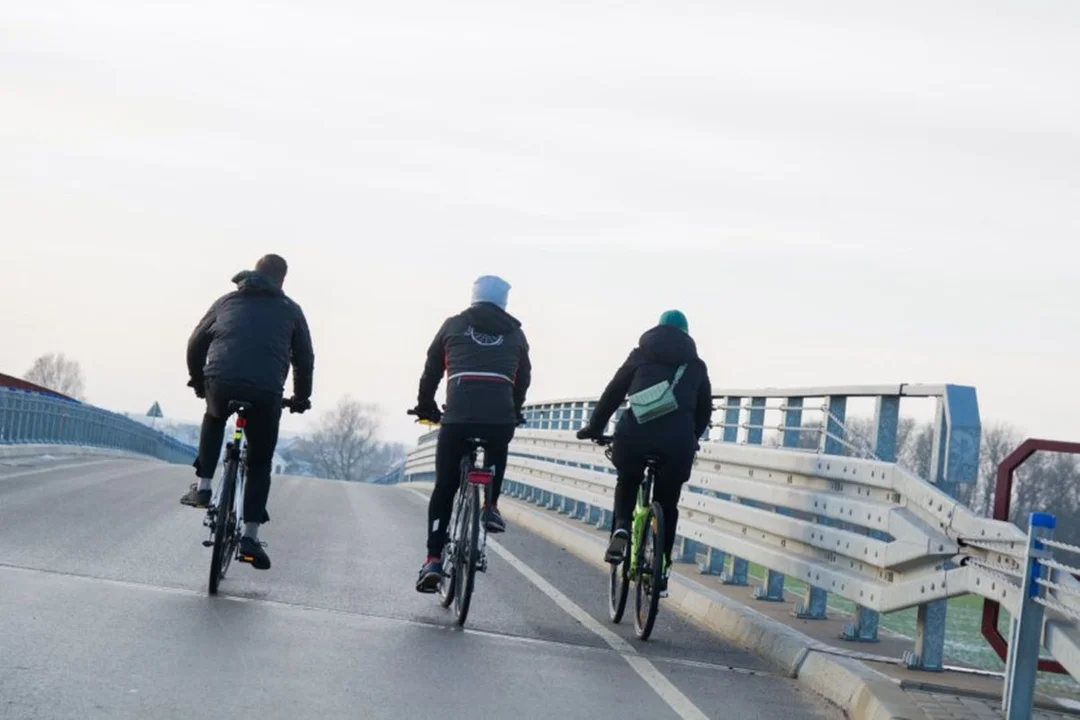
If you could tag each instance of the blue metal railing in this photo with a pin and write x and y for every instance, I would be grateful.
(32, 418)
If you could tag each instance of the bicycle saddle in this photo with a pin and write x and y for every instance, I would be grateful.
(654, 460)
(239, 406)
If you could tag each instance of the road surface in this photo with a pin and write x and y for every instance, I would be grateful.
(104, 614)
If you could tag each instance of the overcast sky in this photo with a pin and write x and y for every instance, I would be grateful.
(836, 192)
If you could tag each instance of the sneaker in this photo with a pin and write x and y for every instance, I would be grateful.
(662, 581)
(430, 576)
(251, 551)
(196, 498)
(493, 520)
(616, 549)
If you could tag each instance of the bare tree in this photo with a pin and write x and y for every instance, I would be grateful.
(57, 373)
(344, 446)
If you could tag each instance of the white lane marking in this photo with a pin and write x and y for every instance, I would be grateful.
(663, 687)
(54, 468)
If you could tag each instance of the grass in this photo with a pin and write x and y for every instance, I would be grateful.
(964, 642)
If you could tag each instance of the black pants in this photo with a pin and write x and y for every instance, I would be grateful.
(672, 474)
(261, 432)
(448, 453)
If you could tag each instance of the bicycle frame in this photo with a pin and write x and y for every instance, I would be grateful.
(641, 510)
(238, 441)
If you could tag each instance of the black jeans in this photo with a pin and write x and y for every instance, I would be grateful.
(261, 432)
(671, 475)
(448, 453)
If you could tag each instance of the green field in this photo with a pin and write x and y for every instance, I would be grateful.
(964, 642)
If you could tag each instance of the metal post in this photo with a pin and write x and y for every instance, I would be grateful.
(740, 569)
(1019, 693)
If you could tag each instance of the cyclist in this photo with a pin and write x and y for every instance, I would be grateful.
(674, 437)
(485, 356)
(241, 350)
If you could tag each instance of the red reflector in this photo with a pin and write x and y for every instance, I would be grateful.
(479, 477)
(241, 423)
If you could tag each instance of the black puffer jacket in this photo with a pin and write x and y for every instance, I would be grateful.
(485, 356)
(659, 354)
(250, 337)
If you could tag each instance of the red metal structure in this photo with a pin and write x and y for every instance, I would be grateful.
(1002, 506)
(16, 383)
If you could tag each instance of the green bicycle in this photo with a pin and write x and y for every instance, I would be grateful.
(643, 565)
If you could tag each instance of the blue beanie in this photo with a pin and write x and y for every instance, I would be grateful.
(676, 319)
(490, 289)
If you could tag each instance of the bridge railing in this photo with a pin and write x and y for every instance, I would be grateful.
(33, 418)
(862, 528)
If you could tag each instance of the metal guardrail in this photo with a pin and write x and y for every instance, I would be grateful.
(862, 528)
(32, 418)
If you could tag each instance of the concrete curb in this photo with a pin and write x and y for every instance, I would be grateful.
(15, 452)
(862, 692)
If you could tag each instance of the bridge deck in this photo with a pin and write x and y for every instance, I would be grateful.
(104, 614)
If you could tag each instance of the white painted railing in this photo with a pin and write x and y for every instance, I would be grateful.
(862, 528)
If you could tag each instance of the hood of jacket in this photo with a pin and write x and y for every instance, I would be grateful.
(249, 281)
(490, 318)
(667, 345)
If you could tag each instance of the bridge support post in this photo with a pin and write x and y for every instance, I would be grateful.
(929, 652)
(714, 564)
(773, 588)
(813, 605)
(740, 568)
(865, 626)
(1026, 638)
(685, 550)
(606, 519)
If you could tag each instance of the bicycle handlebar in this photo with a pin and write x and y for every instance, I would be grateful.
(603, 440)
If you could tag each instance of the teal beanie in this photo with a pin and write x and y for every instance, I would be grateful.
(675, 318)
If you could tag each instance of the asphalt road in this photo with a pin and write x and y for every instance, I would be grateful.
(104, 614)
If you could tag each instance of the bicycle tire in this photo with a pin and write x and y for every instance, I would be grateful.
(447, 585)
(618, 584)
(650, 568)
(223, 521)
(467, 552)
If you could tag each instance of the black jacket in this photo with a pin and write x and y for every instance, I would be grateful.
(659, 354)
(250, 337)
(485, 356)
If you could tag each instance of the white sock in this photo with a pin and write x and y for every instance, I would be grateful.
(204, 483)
(251, 530)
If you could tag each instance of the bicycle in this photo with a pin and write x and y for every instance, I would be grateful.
(643, 564)
(225, 522)
(465, 550)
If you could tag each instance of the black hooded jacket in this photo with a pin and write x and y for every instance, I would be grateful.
(251, 336)
(659, 354)
(485, 356)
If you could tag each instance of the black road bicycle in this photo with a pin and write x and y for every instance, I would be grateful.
(465, 550)
(224, 516)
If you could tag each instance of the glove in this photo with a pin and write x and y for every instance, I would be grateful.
(199, 386)
(521, 419)
(298, 406)
(428, 411)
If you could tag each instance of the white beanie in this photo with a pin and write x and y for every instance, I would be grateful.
(491, 289)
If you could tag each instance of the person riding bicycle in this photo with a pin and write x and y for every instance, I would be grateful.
(485, 356)
(241, 350)
(664, 353)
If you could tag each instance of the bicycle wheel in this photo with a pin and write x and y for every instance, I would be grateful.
(448, 585)
(224, 520)
(618, 585)
(650, 568)
(468, 539)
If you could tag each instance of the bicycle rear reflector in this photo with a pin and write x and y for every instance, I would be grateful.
(480, 477)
